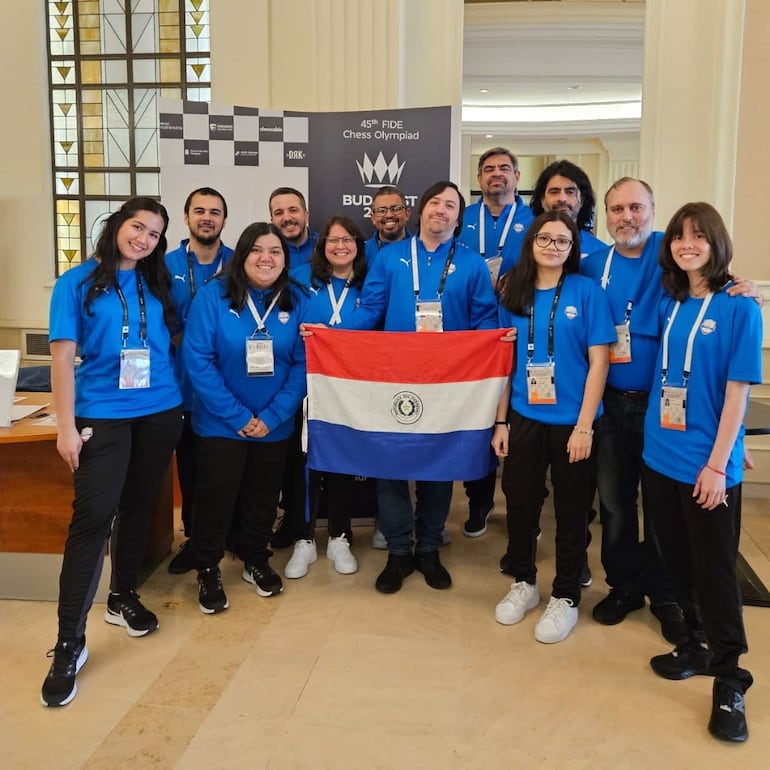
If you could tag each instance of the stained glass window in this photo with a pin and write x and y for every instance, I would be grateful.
(109, 63)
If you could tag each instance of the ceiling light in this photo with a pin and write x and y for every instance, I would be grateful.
(483, 90)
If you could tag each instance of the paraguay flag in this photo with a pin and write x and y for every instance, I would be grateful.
(404, 405)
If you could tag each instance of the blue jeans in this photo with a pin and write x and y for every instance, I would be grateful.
(631, 565)
(398, 519)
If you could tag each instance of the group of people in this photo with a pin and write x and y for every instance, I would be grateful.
(632, 365)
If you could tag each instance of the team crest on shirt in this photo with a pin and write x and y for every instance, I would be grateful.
(708, 325)
(283, 317)
(452, 268)
(407, 407)
(571, 312)
(518, 227)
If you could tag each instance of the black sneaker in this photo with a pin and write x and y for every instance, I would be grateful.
(616, 605)
(211, 594)
(434, 572)
(684, 661)
(728, 713)
(126, 610)
(262, 576)
(283, 537)
(59, 687)
(476, 525)
(184, 561)
(399, 566)
(672, 623)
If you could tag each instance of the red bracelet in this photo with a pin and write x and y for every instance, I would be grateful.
(716, 470)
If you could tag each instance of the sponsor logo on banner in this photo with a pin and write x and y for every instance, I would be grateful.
(221, 127)
(271, 129)
(171, 125)
(246, 153)
(196, 152)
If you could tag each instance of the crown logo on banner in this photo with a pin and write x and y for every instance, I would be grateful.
(380, 173)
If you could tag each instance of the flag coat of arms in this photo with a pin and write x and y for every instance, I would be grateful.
(404, 405)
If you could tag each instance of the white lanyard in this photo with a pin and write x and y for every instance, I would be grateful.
(337, 305)
(690, 340)
(607, 265)
(482, 242)
(260, 320)
(415, 271)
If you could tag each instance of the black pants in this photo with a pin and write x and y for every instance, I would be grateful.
(532, 447)
(185, 471)
(294, 492)
(229, 470)
(122, 467)
(700, 549)
(481, 494)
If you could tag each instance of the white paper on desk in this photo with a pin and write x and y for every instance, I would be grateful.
(9, 371)
(49, 421)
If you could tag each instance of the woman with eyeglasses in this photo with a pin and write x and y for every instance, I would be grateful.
(246, 361)
(710, 354)
(335, 275)
(546, 415)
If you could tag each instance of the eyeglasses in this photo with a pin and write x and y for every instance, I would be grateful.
(380, 211)
(544, 241)
(345, 240)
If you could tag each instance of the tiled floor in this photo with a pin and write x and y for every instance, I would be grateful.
(332, 674)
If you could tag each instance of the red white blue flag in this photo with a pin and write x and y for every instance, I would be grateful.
(404, 405)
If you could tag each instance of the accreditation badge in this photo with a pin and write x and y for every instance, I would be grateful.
(428, 317)
(673, 408)
(620, 350)
(541, 383)
(259, 357)
(493, 265)
(134, 368)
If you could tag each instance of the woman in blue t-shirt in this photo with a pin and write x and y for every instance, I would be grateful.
(546, 415)
(710, 354)
(246, 362)
(119, 416)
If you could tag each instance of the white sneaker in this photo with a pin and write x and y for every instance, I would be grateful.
(304, 555)
(520, 599)
(338, 551)
(378, 540)
(558, 620)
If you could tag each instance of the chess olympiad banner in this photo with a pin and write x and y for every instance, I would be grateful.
(337, 159)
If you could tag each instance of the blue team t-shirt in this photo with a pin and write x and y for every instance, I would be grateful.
(727, 346)
(582, 320)
(98, 335)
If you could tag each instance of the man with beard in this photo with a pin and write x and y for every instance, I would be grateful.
(197, 259)
(563, 186)
(494, 226)
(428, 282)
(389, 217)
(288, 212)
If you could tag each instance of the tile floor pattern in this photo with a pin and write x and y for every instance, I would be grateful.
(333, 675)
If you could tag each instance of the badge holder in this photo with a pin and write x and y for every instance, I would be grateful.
(673, 408)
(134, 368)
(259, 357)
(541, 383)
(620, 350)
(428, 317)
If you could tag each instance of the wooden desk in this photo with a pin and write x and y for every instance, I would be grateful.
(36, 508)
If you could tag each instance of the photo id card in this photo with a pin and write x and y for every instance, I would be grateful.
(428, 318)
(541, 383)
(134, 368)
(259, 358)
(673, 408)
(620, 351)
(493, 264)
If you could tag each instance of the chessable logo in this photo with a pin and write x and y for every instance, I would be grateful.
(380, 172)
